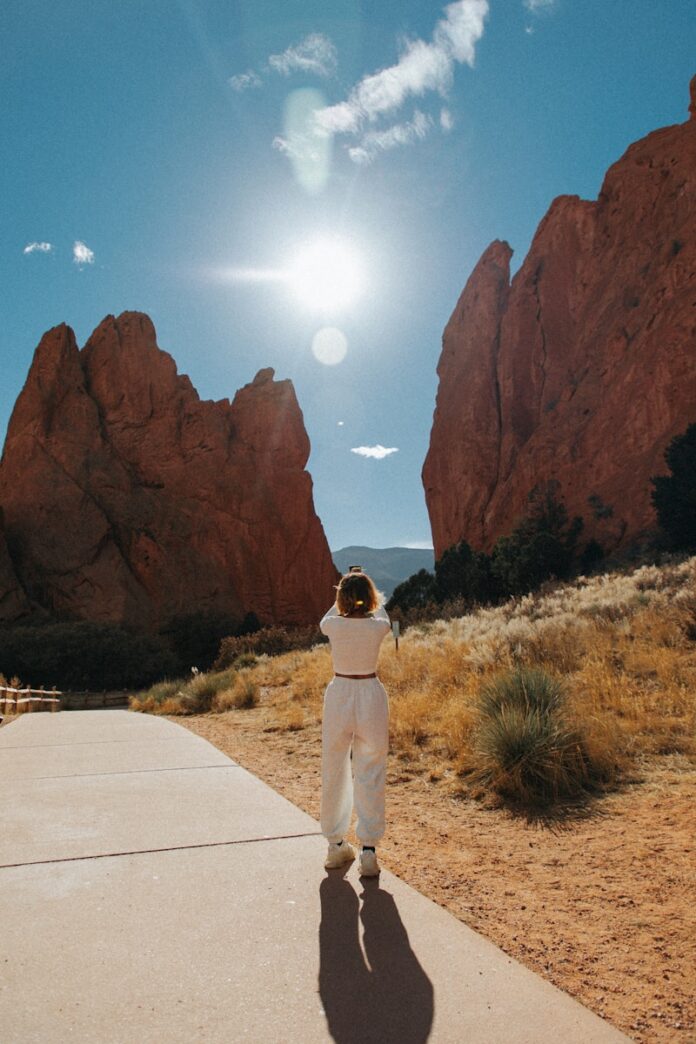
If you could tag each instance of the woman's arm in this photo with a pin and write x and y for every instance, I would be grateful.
(380, 614)
(332, 613)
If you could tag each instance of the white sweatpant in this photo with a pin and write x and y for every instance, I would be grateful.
(356, 711)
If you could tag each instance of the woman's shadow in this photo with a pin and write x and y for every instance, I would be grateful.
(389, 1002)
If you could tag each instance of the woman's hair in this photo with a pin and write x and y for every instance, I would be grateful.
(357, 591)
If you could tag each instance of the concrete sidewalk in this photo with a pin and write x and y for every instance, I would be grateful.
(152, 890)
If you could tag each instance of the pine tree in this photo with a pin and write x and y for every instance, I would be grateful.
(674, 496)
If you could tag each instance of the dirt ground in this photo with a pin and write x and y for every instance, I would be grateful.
(603, 904)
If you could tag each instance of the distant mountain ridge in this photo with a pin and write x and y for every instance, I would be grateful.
(388, 566)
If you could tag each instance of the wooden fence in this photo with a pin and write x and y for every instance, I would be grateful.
(23, 701)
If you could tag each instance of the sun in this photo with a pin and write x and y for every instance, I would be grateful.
(327, 275)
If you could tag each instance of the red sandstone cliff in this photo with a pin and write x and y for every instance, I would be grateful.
(14, 604)
(584, 367)
(126, 498)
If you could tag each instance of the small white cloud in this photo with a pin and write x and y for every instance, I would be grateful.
(446, 120)
(419, 545)
(539, 5)
(244, 81)
(43, 248)
(399, 134)
(359, 155)
(378, 452)
(315, 54)
(82, 255)
(340, 423)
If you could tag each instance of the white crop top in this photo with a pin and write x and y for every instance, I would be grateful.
(355, 641)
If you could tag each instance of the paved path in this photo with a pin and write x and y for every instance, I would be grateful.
(152, 890)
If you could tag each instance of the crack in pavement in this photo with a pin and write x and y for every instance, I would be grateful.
(148, 851)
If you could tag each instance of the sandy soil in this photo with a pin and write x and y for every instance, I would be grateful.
(603, 905)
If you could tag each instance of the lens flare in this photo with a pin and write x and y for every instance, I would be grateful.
(329, 346)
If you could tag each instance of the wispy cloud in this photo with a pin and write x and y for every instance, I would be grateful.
(315, 54)
(446, 120)
(538, 5)
(82, 255)
(378, 452)
(422, 67)
(43, 248)
(375, 142)
(243, 81)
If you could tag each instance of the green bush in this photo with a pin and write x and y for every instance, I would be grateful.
(84, 655)
(195, 638)
(414, 593)
(463, 573)
(674, 495)
(542, 546)
(527, 751)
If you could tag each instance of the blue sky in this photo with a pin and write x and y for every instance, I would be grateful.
(179, 156)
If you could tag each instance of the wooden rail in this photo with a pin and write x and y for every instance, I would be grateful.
(23, 701)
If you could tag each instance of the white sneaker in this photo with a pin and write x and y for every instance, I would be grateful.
(369, 867)
(339, 854)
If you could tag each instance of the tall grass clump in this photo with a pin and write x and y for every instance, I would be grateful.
(194, 695)
(243, 693)
(198, 696)
(156, 697)
(526, 747)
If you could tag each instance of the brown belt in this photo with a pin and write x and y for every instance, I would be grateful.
(355, 676)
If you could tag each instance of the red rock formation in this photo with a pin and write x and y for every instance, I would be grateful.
(129, 499)
(14, 604)
(584, 367)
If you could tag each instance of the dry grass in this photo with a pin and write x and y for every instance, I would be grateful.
(243, 692)
(624, 646)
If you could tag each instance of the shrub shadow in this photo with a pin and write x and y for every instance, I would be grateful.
(389, 1000)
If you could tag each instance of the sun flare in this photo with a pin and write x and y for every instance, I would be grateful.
(327, 275)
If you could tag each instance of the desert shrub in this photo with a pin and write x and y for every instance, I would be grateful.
(198, 694)
(269, 641)
(526, 747)
(674, 495)
(85, 655)
(192, 695)
(243, 693)
(164, 690)
(246, 659)
(161, 698)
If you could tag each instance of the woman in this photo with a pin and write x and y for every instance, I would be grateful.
(356, 711)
